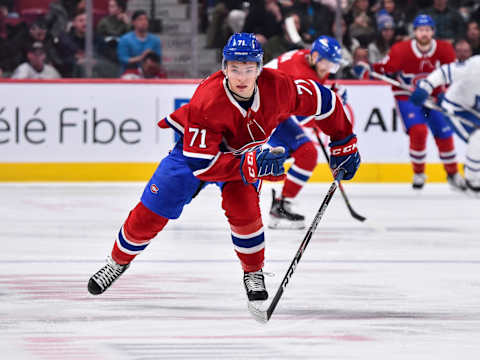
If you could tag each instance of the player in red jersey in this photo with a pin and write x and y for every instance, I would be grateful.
(410, 61)
(222, 129)
(323, 58)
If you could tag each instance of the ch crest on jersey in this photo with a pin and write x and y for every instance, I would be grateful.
(255, 130)
(248, 147)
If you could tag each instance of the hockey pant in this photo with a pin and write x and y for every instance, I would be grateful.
(171, 187)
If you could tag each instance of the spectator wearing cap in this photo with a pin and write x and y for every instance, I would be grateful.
(379, 48)
(136, 44)
(449, 24)
(150, 68)
(463, 50)
(35, 67)
(36, 32)
(391, 7)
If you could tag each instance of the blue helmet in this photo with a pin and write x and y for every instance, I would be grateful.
(328, 48)
(423, 20)
(243, 47)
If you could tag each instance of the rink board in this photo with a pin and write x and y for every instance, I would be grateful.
(97, 130)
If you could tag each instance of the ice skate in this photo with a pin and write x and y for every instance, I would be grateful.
(457, 182)
(282, 216)
(473, 189)
(105, 277)
(418, 181)
(255, 285)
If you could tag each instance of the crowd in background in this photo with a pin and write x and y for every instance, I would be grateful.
(51, 43)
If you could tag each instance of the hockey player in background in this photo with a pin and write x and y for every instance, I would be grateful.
(410, 61)
(231, 115)
(462, 102)
(323, 58)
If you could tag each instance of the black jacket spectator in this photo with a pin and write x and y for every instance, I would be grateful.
(265, 19)
(316, 19)
(36, 32)
(449, 24)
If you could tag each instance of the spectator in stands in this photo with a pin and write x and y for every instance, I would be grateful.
(36, 32)
(71, 45)
(315, 18)
(4, 43)
(218, 30)
(57, 18)
(361, 21)
(35, 67)
(379, 48)
(111, 27)
(136, 44)
(463, 50)
(279, 44)
(360, 55)
(117, 22)
(349, 44)
(389, 7)
(264, 19)
(473, 36)
(150, 68)
(449, 24)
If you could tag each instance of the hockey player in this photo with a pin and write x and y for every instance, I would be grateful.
(410, 61)
(462, 102)
(223, 127)
(323, 58)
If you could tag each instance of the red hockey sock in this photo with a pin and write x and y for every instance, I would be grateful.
(305, 160)
(251, 258)
(241, 205)
(141, 226)
(448, 155)
(418, 147)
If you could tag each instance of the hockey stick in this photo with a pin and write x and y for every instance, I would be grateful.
(430, 102)
(265, 315)
(354, 214)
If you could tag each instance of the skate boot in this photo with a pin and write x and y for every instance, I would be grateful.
(255, 285)
(105, 277)
(457, 182)
(473, 189)
(418, 181)
(282, 216)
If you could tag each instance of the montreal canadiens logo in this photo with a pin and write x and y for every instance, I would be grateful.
(154, 188)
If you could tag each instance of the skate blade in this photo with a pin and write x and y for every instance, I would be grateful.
(283, 224)
(255, 309)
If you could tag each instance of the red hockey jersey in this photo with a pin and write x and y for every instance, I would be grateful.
(410, 65)
(296, 64)
(217, 130)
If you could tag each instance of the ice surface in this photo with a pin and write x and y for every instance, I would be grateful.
(405, 287)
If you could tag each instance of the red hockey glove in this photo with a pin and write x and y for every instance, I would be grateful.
(344, 155)
(266, 164)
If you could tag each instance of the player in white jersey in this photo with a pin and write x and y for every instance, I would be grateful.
(462, 103)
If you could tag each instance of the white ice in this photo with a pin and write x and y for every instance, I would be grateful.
(404, 286)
